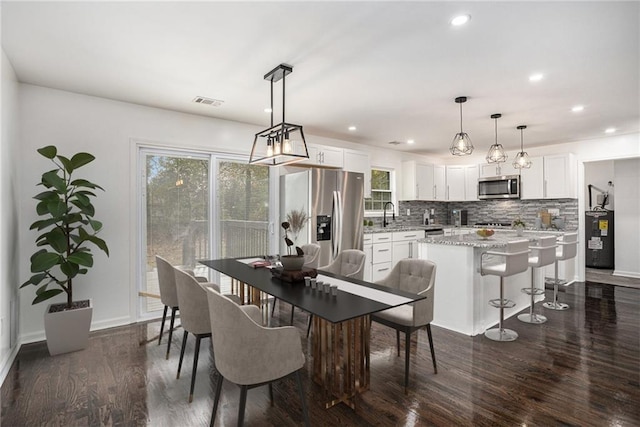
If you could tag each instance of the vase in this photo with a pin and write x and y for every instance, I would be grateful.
(292, 262)
(520, 231)
(67, 331)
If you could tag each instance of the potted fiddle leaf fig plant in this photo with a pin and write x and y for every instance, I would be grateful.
(68, 233)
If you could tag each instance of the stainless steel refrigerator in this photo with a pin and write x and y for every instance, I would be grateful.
(334, 202)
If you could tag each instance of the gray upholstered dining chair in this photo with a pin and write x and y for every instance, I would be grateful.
(169, 295)
(348, 263)
(194, 316)
(416, 276)
(311, 255)
(250, 355)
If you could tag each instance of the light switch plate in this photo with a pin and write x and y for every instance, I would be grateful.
(408, 212)
(554, 212)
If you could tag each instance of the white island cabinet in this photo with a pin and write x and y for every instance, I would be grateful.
(462, 294)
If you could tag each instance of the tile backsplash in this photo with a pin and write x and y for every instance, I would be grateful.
(487, 211)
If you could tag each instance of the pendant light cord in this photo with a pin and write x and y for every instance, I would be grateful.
(496, 121)
(461, 118)
(521, 141)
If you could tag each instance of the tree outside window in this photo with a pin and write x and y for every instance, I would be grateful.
(381, 191)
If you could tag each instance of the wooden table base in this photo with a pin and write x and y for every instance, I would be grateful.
(341, 359)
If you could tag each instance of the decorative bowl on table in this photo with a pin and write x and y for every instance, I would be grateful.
(485, 233)
(292, 262)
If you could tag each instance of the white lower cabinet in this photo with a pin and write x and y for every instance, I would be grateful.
(368, 251)
(384, 250)
(405, 245)
(381, 255)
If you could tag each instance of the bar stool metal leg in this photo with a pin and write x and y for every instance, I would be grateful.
(555, 305)
(532, 317)
(500, 333)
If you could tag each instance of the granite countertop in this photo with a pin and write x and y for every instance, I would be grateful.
(498, 240)
(392, 228)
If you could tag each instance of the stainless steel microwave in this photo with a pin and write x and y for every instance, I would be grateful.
(499, 187)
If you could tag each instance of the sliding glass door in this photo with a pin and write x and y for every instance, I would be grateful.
(176, 215)
(243, 209)
(198, 206)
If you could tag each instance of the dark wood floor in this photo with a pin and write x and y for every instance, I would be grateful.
(581, 368)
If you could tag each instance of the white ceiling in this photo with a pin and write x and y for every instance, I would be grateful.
(392, 69)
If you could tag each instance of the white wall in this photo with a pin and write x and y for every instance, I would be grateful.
(627, 218)
(9, 244)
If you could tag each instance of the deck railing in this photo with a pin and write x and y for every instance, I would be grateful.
(237, 239)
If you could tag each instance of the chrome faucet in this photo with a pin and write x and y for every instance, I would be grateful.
(384, 213)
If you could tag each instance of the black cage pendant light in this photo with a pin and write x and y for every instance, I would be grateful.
(496, 153)
(522, 158)
(283, 143)
(461, 144)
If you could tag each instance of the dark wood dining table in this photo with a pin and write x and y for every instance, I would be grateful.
(341, 324)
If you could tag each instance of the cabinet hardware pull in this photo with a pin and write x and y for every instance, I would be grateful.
(383, 250)
(383, 269)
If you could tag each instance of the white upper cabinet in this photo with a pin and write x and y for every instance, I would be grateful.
(532, 180)
(560, 176)
(324, 155)
(471, 175)
(358, 161)
(439, 183)
(422, 181)
(455, 183)
(550, 177)
(417, 179)
(462, 183)
(492, 169)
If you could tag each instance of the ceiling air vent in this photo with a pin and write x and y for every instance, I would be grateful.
(394, 143)
(207, 101)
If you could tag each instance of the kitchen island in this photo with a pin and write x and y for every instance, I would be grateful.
(462, 294)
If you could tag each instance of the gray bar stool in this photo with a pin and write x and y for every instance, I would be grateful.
(567, 249)
(544, 253)
(516, 260)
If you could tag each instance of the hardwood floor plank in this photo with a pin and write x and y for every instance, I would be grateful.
(582, 368)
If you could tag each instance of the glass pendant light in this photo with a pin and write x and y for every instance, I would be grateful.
(496, 152)
(522, 158)
(461, 144)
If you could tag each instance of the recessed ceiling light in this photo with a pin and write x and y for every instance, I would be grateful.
(610, 130)
(460, 20)
(536, 77)
(577, 108)
(410, 141)
(267, 110)
(352, 128)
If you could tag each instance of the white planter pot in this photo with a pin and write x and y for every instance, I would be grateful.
(67, 331)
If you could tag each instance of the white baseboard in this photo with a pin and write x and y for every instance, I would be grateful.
(95, 326)
(6, 363)
(632, 274)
